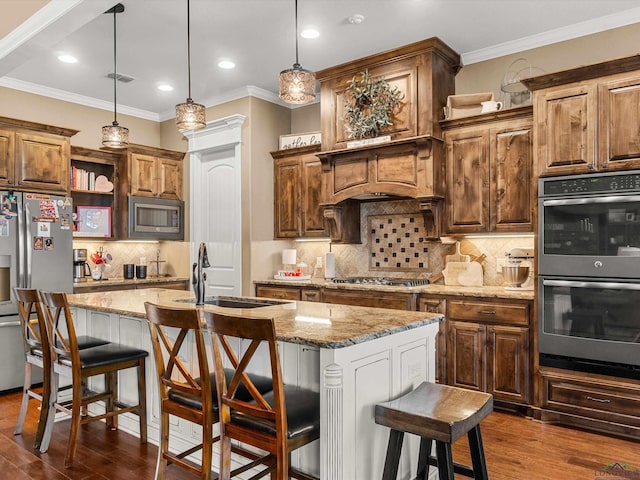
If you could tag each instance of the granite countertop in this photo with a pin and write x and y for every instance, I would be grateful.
(319, 324)
(121, 281)
(433, 289)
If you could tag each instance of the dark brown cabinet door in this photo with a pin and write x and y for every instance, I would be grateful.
(467, 205)
(7, 157)
(466, 354)
(287, 198)
(513, 183)
(437, 305)
(619, 124)
(297, 193)
(566, 125)
(313, 222)
(508, 363)
(42, 162)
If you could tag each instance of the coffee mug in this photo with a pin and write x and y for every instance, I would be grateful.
(490, 106)
(141, 271)
(128, 271)
(96, 274)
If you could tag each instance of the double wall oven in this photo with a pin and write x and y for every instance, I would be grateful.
(589, 272)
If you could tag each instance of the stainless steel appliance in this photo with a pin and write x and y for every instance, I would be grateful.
(35, 252)
(81, 268)
(156, 218)
(518, 271)
(588, 272)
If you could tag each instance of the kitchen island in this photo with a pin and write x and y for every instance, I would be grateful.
(354, 356)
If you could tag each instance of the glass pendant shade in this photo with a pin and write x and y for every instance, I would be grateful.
(190, 115)
(115, 136)
(297, 85)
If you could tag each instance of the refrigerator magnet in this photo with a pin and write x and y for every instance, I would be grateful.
(65, 221)
(48, 243)
(4, 227)
(38, 243)
(9, 206)
(44, 229)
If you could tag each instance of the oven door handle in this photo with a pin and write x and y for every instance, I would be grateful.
(585, 201)
(608, 285)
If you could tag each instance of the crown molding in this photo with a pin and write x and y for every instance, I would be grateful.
(83, 100)
(570, 32)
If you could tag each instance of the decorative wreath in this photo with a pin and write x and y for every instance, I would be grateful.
(369, 105)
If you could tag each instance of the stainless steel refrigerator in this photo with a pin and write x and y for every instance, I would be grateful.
(35, 252)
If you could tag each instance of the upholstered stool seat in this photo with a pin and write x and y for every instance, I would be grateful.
(439, 413)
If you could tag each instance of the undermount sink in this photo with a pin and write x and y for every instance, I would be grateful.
(236, 302)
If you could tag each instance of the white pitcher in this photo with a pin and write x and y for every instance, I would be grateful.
(490, 106)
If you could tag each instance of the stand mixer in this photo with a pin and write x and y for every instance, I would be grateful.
(518, 270)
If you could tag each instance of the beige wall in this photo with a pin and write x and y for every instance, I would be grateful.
(487, 76)
(89, 120)
(20, 10)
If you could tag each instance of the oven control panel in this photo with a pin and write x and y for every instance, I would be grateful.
(598, 183)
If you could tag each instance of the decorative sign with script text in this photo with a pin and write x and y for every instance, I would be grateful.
(299, 140)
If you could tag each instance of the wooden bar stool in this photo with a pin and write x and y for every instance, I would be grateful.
(439, 413)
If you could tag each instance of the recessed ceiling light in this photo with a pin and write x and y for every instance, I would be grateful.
(355, 19)
(310, 32)
(67, 58)
(226, 64)
(164, 87)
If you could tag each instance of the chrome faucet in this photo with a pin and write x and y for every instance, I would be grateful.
(200, 277)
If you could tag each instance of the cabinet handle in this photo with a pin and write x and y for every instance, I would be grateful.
(487, 312)
(599, 400)
(491, 330)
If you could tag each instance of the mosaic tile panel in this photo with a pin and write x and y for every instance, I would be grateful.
(397, 242)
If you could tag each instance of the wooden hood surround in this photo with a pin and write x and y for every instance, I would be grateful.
(411, 165)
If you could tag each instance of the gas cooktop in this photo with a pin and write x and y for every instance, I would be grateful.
(403, 282)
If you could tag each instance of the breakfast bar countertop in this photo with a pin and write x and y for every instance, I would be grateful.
(309, 323)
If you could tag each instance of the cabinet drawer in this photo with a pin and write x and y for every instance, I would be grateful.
(512, 314)
(617, 402)
(283, 293)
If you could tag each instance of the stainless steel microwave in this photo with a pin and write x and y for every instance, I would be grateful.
(156, 218)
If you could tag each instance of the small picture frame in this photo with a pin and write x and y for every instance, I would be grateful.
(93, 222)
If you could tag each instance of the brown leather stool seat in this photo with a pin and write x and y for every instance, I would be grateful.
(439, 413)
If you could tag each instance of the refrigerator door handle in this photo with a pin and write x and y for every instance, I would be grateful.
(28, 246)
(22, 239)
(10, 324)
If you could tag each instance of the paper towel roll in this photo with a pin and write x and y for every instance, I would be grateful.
(289, 256)
(329, 265)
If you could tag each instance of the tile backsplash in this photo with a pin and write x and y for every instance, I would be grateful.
(133, 252)
(394, 245)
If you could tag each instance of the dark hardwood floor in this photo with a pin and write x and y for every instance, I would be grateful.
(515, 447)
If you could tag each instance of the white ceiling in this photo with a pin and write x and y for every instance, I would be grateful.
(259, 36)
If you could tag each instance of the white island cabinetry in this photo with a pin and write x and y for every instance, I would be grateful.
(355, 357)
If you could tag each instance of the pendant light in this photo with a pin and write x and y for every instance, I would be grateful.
(297, 85)
(190, 115)
(115, 136)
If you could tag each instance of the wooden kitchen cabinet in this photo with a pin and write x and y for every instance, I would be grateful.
(587, 118)
(154, 172)
(297, 188)
(489, 178)
(433, 304)
(588, 400)
(488, 348)
(370, 298)
(97, 162)
(305, 294)
(34, 157)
